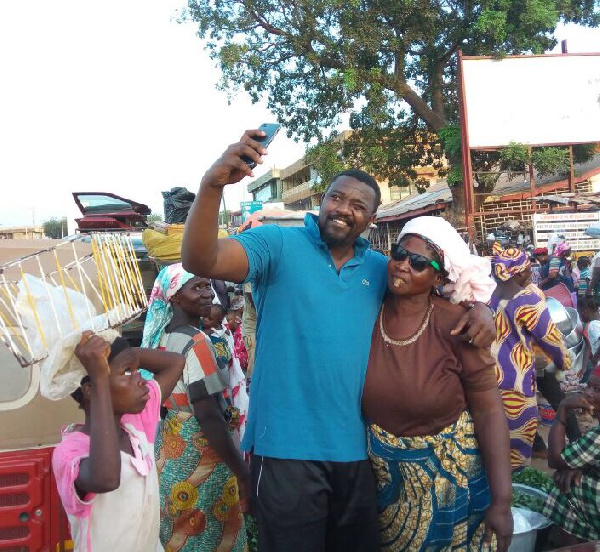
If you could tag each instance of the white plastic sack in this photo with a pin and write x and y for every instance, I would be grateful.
(525, 520)
(62, 324)
(55, 320)
(62, 371)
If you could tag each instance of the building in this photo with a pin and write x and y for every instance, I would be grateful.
(22, 232)
(510, 201)
(297, 185)
(267, 188)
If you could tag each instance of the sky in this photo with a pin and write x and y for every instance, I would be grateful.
(116, 96)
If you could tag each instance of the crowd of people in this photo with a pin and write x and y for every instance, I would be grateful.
(390, 399)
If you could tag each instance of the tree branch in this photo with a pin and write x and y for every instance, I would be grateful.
(265, 24)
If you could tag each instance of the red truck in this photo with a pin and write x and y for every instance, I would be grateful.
(31, 516)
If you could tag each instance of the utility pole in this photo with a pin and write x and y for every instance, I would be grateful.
(226, 218)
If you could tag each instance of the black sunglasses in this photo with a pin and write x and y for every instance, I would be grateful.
(416, 261)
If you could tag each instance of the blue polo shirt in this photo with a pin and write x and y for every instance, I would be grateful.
(312, 343)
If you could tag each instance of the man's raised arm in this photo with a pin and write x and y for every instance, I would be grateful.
(202, 253)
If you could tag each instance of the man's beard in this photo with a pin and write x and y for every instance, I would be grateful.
(331, 238)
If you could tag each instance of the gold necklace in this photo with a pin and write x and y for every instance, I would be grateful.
(413, 337)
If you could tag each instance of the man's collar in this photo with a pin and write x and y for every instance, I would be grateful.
(311, 223)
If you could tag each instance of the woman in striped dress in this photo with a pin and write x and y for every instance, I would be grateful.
(199, 466)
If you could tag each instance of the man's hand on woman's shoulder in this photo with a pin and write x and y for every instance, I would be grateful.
(477, 326)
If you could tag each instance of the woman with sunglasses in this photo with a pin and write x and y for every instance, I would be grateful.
(437, 433)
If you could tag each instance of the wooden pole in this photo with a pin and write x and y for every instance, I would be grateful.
(466, 153)
(531, 183)
(571, 171)
(225, 216)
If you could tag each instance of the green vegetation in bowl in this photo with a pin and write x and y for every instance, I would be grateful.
(528, 501)
(535, 478)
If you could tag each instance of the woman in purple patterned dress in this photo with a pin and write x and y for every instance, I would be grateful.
(523, 328)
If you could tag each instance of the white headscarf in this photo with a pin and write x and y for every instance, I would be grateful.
(469, 275)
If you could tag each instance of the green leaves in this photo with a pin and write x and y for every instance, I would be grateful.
(387, 65)
(514, 157)
(492, 23)
(550, 161)
(451, 140)
(327, 160)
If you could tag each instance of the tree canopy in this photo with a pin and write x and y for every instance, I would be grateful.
(55, 227)
(389, 64)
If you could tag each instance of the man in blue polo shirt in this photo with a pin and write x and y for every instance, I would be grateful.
(317, 291)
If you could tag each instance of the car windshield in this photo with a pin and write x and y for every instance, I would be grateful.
(96, 204)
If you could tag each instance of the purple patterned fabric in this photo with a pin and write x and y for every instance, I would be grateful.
(523, 325)
(523, 328)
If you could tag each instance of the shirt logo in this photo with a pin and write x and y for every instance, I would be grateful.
(366, 282)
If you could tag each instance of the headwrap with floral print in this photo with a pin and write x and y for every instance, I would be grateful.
(509, 262)
(561, 248)
(160, 311)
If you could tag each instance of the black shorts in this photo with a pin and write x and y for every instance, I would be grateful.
(314, 506)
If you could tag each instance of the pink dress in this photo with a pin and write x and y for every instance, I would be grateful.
(127, 518)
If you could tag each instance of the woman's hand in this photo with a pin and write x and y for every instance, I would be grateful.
(499, 521)
(477, 326)
(245, 488)
(574, 402)
(93, 351)
(565, 478)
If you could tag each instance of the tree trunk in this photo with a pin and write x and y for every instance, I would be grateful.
(455, 214)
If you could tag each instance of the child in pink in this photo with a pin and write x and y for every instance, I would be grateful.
(105, 468)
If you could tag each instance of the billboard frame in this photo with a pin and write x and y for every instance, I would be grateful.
(466, 151)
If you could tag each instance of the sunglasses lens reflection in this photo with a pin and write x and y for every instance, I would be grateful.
(418, 262)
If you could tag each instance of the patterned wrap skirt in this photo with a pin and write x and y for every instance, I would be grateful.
(432, 489)
(522, 416)
(199, 496)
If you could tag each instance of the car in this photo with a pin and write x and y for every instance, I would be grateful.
(108, 212)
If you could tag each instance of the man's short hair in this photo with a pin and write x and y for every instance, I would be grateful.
(363, 177)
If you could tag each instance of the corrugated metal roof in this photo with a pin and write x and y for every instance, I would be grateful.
(506, 185)
(589, 199)
(438, 194)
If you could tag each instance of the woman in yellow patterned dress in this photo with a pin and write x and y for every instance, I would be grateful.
(198, 463)
(437, 434)
(523, 325)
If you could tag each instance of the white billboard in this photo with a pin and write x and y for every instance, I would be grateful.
(571, 225)
(535, 100)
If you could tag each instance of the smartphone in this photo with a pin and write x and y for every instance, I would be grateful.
(271, 130)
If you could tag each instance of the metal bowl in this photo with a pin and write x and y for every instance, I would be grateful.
(573, 339)
(561, 316)
(576, 334)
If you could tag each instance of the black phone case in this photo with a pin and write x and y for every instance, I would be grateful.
(271, 129)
